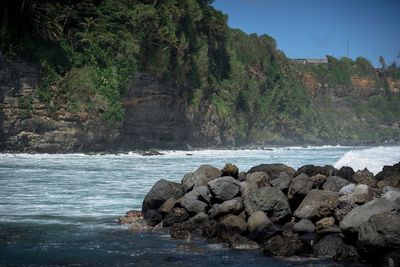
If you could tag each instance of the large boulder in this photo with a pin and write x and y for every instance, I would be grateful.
(381, 230)
(361, 214)
(282, 181)
(196, 200)
(268, 199)
(224, 188)
(256, 219)
(232, 224)
(199, 177)
(233, 206)
(264, 231)
(332, 246)
(389, 176)
(273, 170)
(361, 194)
(346, 172)
(334, 183)
(317, 204)
(159, 193)
(152, 217)
(256, 180)
(364, 177)
(311, 170)
(302, 185)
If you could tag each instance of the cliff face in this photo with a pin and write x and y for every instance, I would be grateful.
(27, 125)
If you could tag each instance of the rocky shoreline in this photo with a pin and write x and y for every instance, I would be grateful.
(314, 211)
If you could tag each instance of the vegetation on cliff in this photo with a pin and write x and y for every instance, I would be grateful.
(88, 51)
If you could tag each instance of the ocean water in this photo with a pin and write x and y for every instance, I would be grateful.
(61, 209)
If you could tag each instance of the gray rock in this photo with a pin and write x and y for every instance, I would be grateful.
(273, 170)
(230, 170)
(242, 176)
(334, 183)
(240, 242)
(346, 172)
(347, 189)
(224, 188)
(304, 226)
(159, 193)
(311, 170)
(257, 218)
(282, 181)
(381, 230)
(361, 194)
(303, 184)
(393, 195)
(325, 223)
(361, 214)
(152, 217)
(201, 176)
(264, 231)
(233, 206)
(317, 204)
(193, 205)
(257, 180)
(268, 199)
(167, 206)
(232, 224)
(332, 246)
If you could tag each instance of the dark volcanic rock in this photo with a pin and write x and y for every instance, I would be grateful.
(200, 177)
(282, 181)
(334, 183)
(224, 188)
(152, 217)
(159, 193)
(346, 172)
(256, 180)
(317, 204)
(264, 231)
(257, 218)
(304, 226)
(230, 170)
(232, 224)
(233, 206)
(390, 175)
(177, 215)
(381, 230)
(311, 170)
(283, 246)
(301, 186)
(332, 246)
(273, 170)
(268, 199)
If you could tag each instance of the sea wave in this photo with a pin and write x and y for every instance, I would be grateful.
(372, 158)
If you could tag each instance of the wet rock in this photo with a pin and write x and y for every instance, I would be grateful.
(256, 219)
(183, 230)
(268, 199)
(230, 170)
(177, 215)
(361, 194)
(311, 170)
(361, 214)
(159, 193)
(334, 183)
(346, 172)
(209, 230)
(273, 170)
(390, 175)
(283, 246)
(132, 217)
(364, 177)
(200, 177)
(302, 185)
(342, 210)
(233, 206)
(325, 223)
(264, 231)
(191, 203)
(282, 182)
(381, 230)
(240, 242)
(224, 188)
(152, 217)
(304, 226)
(233, 224)
(317, 204)
(332, 246)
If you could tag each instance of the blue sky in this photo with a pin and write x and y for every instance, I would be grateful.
(315, 28)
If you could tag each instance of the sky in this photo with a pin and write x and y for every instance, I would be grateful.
(315, 28)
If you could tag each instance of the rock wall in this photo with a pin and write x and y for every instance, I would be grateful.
(27, 125)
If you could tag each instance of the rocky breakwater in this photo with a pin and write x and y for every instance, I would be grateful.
(313, 211)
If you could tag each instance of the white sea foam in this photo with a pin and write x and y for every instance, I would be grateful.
(372, 158)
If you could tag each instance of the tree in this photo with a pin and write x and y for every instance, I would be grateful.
(383, 62)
